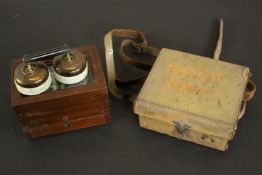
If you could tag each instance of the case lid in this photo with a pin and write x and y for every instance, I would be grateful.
(205, 93)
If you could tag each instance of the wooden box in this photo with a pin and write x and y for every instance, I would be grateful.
(66, 109)
(193, 98)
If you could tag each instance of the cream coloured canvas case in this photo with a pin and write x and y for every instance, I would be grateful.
(186, 96)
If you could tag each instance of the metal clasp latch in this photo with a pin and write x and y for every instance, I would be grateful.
(181, 128)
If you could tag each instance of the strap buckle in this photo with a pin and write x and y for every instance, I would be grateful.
(138, 48)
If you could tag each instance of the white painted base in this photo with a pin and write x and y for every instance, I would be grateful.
(73, 79)
(36, 90)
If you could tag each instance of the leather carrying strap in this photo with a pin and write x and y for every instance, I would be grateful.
(250, 88)
(121, 88)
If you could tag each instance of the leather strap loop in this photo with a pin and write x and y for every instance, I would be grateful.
(248, 94)
(242, 109)
(250, 90)
(120, 88)
(138, 49)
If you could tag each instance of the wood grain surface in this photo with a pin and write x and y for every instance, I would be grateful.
(64, 110)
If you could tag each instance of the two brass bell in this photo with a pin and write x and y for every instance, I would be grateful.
(34, 77)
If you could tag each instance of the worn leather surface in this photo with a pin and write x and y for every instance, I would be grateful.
(123, 147)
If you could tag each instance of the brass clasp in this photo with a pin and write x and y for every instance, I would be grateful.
(67, 123)
(181, 128)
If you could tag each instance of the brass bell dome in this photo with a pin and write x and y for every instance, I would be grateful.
(70, 67)
(32, 78)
